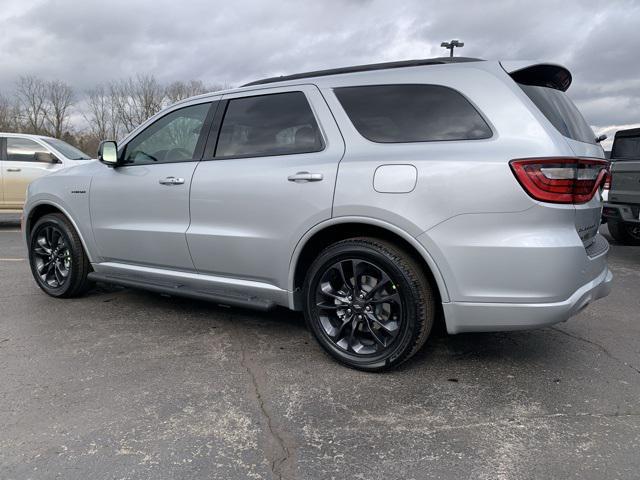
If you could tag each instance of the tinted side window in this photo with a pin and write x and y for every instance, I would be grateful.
(561, 112)
(276, 124)
(172, 138)
(411, 113)
(23, 150)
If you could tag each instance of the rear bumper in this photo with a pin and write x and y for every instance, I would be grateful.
(486, 317)
(621, 212)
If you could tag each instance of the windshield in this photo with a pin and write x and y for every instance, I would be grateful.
(69, 151)
(561, 112)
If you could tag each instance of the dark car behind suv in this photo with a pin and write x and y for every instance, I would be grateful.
(622, 210)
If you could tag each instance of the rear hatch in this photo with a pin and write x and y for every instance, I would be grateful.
(625, 167)
(546, 86)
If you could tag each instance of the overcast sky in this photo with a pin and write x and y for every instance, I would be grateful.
(85, 42)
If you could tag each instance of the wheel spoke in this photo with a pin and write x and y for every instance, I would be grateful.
(41, 268)
(345, 322)
(47, 275)
(378, 340)
(382, 282)
(328, 306)
(390, 326)
(350, 341)
(334, 296)
(356, 277)
(57, 274)
(41, 252)
(343, 277)
(393, 298)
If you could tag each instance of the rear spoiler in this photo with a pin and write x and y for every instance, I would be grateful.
(539, 74)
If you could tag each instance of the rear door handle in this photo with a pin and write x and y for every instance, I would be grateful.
(301, 177)
(14, 169)
(171, 181)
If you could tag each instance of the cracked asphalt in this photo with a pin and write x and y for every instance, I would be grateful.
(124, 384)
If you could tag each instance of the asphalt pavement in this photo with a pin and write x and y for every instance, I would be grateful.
(124, 384)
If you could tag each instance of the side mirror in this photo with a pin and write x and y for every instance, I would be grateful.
(600, 138)
(108, 153)
(46, 157)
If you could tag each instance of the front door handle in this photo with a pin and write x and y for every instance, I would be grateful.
(14, 169)
(171, 181)
(305, 177)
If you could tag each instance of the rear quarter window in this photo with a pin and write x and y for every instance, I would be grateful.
(561, 112)
(411, 113)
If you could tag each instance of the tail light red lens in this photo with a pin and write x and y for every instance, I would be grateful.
(607, 181)
(562, 179)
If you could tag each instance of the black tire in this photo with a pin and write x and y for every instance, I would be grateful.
(391, 332)
(624, 233)
(55, 250)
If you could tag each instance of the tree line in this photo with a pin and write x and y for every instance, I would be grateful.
(108, 111)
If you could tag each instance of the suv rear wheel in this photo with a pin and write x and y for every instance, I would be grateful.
(368, 303)
(58, 261)
(625, 233)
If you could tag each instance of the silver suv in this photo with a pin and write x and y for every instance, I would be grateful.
(371, 198)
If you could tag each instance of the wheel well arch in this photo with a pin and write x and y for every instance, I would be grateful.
(335, 232)
(38, 212)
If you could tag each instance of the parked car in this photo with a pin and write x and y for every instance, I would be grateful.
(622, 205)
(369, 197)
(23, 158)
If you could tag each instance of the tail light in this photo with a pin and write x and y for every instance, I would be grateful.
(561, 179)
(607, 181)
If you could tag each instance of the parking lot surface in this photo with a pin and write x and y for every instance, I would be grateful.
(124, 384)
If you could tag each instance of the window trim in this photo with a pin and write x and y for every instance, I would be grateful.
(37, 142)
(200, 144)
(216, 128)
(467, 99)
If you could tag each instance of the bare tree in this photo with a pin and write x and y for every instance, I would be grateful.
(102, 115)
(9, 115)
(59, 99)
(136, 99)
(180, 90)
(32, 97)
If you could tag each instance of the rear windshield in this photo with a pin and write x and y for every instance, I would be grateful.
(561, 112)
(411, 113)
(626, 148)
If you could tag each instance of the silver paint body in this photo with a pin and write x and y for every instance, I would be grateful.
(15, 176)
(501, 260)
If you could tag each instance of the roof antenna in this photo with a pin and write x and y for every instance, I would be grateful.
(451, 45)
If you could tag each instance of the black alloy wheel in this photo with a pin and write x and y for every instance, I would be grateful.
(368, 303)
(57, 258)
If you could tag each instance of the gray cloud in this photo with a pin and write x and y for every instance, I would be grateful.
(89, 42)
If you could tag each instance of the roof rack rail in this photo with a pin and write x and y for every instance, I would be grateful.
(366, 68)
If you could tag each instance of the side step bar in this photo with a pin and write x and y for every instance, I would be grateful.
(183, 291)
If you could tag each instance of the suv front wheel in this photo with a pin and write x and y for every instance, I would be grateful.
(58, 261)
(368, 303)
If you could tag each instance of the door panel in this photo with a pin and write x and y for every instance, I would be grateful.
(246, 214)
(140, 210)
(137, 220)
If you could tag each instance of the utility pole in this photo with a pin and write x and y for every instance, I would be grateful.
(451, 45)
